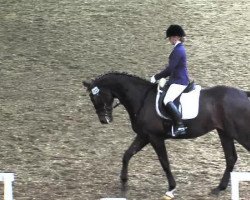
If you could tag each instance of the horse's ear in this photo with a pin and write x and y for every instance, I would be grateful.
(86, 84)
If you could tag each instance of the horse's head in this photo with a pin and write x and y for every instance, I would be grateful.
(102, 100)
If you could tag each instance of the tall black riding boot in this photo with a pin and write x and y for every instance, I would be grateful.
(179, 128)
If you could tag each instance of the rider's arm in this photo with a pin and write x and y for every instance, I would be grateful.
(174, 59)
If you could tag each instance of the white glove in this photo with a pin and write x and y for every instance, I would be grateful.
(153, 80)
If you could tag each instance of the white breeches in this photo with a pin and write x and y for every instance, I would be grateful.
(173, 92)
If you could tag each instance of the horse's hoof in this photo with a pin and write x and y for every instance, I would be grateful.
(169, 195)
(215, 191)
(124, 187)
(165, 197)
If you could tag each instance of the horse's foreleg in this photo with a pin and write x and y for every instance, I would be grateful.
(231, 158)
(160, 149)
(135, 147)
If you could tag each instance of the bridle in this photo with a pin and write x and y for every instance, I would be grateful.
(117, 103)
(104, 110)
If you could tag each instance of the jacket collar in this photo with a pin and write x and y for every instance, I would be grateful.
(178, 42)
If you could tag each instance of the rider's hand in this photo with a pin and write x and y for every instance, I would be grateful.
(153, 80)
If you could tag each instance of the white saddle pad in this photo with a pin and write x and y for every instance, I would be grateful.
(189, 103)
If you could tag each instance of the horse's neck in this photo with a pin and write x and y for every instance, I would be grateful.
(130, 94)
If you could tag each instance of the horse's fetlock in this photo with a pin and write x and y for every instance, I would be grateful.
(124, 178)
(231, 161)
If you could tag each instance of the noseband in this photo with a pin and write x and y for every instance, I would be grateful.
(104, 111)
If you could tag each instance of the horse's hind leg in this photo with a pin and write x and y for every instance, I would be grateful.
(245, 142)
(135, 147)
(243, 137)
(231, 158)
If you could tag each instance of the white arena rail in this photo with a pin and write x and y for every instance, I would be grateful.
(236, 177)
(7, 179)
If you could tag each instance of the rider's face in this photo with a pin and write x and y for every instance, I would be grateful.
(173, 39)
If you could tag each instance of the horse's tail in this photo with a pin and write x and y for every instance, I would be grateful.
(248, 93)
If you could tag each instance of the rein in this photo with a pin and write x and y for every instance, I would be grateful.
(142, 101)
(116, 104)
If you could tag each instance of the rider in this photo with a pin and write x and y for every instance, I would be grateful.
(177, 71)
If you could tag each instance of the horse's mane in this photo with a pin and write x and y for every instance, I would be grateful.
(120, 75)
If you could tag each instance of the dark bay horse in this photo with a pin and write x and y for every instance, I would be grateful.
(223, 108)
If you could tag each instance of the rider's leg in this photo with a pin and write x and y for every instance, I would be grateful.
(173, 92)
(179, 128)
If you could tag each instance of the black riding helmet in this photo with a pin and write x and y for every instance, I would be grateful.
(175, 30)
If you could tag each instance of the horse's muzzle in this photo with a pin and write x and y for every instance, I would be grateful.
(105, 119)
